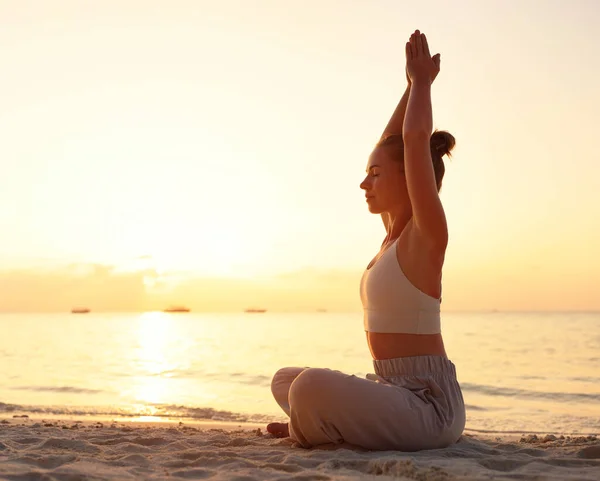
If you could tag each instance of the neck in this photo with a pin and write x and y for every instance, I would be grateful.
(397, 221)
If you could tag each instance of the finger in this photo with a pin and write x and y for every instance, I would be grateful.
(413, 37)
(408, 51)
(425, 46)
(418, 44)
(436, 60)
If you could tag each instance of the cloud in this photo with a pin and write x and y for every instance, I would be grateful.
(105, 288)
(92, 285)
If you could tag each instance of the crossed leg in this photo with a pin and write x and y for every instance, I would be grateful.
(327, 406)
(280, 387)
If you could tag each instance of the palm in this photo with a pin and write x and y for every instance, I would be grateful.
(420, 65)
(436, 60)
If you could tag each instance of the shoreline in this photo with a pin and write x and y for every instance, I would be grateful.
(170, 421)
(212, 424)
(137, 421)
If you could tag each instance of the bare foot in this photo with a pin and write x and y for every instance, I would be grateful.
(279, 430)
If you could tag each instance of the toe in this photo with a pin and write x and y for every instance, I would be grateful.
(279, 430)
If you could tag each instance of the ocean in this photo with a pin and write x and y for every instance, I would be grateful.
(520, 372)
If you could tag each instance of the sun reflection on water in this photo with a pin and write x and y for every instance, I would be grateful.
(154, 357)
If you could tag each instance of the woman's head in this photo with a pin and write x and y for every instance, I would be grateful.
(385, 183)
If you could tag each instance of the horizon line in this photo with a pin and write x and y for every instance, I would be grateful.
(305, 311)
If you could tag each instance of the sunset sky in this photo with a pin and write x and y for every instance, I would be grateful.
(209, 153)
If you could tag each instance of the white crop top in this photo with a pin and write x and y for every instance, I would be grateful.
(392, 303)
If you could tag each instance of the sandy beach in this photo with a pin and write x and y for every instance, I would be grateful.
(54, 449)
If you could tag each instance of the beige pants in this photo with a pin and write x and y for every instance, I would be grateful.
(410, 404)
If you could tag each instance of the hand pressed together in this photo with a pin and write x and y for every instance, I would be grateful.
(421, 67)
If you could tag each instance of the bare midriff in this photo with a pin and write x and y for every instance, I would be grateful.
(392, 345)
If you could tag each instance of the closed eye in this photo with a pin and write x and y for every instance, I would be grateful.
(371, 171)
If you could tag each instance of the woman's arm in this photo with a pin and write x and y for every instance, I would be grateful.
(394, 126)
(396, 122)
(428, 212)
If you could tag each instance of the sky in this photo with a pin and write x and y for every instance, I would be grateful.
(209, 153)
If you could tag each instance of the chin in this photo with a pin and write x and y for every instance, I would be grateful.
(374, 209)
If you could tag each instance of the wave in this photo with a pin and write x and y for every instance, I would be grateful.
(590, 379)
(63, 389)
(154, 410)
(474, 407)
(237, 377)
(512, 431)
(526, 393)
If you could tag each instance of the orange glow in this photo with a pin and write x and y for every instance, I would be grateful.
(209, 153)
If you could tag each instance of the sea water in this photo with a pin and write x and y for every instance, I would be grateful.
(519, 372)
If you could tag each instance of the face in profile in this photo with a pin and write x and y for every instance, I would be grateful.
(385, 183)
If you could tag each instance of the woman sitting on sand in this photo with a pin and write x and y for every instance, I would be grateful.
(413, 401)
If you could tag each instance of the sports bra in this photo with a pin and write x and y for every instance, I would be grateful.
(391, 303)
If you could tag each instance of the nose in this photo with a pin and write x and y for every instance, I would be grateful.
(365, 183)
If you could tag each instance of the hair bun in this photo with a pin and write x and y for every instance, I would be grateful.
(442, 142)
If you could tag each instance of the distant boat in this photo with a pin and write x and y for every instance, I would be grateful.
(321, 310)
(253, 310)
(80, 310)
(176, 309)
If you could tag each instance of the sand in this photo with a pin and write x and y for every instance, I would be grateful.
(48, 449)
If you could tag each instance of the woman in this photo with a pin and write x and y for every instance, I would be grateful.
(413, 401)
